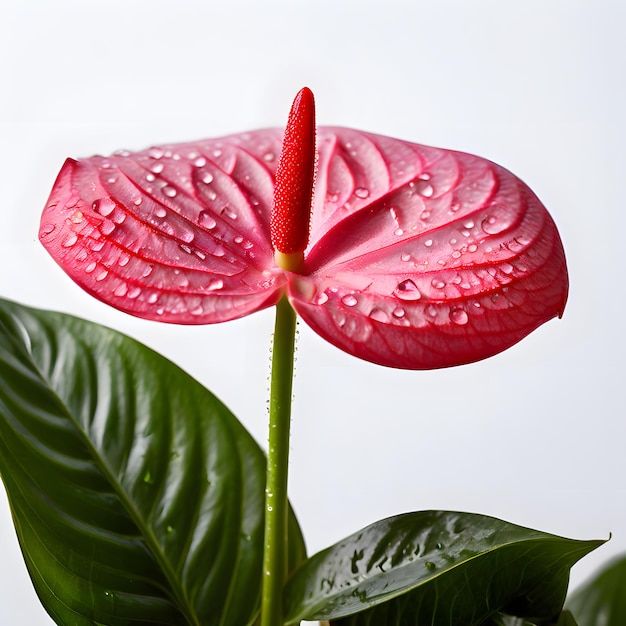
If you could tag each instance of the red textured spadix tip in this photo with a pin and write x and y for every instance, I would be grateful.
(293, 192)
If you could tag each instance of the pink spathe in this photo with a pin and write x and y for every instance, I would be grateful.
(417, 258)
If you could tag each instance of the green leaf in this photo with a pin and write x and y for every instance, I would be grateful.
(565, 619)
(136, 495)
(602, 600)
(436, 566)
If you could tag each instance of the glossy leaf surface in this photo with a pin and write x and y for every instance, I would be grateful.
(137, 497)
(565, 619)
(417, 258)
(602, 600)
(438, 568)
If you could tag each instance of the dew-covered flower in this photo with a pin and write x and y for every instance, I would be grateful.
(404, 255)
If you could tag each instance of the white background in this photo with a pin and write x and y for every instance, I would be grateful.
(535, 435)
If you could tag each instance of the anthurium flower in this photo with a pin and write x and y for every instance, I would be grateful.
(404, 255)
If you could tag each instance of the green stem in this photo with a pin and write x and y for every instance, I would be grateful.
(276, 503)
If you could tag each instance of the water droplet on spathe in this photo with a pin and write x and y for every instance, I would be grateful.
(155, 153)
(361, 192)
(121, 290)
(407, 290)
(349, 300)
(187, 236)
(157, 168)
(169, 191)
(215, 284)
(46, 229)
(160, 212)
(104, 206)
(428, 243)
(459, 317)
(425, 189)
(379, 315)
(206, 220)
(107, 227)
(438, 283)
(398, 312)
(70, 241)
(91, 267)
(321, 298)
(200, 162)
(492, 226)
(228, 212)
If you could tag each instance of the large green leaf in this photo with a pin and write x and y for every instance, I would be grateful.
(602, 600)
(564, 619)
(136, 495)
(435, 567)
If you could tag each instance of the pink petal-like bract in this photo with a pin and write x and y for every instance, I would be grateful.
(418, 257)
